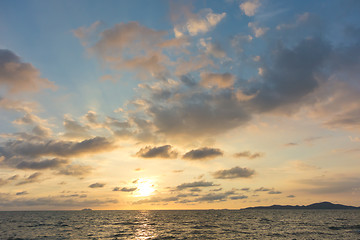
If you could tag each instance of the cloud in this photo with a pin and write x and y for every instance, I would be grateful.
(290, 144)
(195, 184)
(258, 31)
(97, 185)
(73, 196)
(274, 192)
(83, 33)
(193, 198)
(192, 64)
(290, 196)
(55, 148)
(235, 172)
(195, 190)
(41, 131)
(203, 154)
(202, 22)
(17, 76)
(44, 164)
(213, 49)
(250, 7)
(125, 189)
(211, 197)
(131, 46)
(31, 179)
(292, 76)
(224, 80)
(28, 118)
(248, 154)
(157, 152)
(75, 170)
(22, 193)
(14, 177)
(237, 197)
(74, 130)
(289, 78)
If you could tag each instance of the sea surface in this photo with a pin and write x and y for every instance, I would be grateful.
(182, 224)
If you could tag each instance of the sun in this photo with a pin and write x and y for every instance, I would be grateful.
(145, 187)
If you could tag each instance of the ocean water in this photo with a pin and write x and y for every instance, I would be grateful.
(183, 224)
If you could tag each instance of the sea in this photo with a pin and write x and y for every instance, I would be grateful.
(182, 224)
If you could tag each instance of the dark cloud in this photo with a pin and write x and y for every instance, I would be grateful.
(157, 152)
(288, 77)
(195, 190)
(290, 196)
(235, 172)
(125, 189)
(237, 197)
(188, 80)
(44, 164)
(195, 184)
(56, 148)
(26, 154)
(17, 76)
(22, 193)
(198, 114)
(291, 76)
(274, 192)
(203, 153)
(248, 154)
(97, 185)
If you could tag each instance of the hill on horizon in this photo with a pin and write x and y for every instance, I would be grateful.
(320, 205)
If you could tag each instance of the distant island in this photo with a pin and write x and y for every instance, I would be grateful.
(321, 205)
(86, 209)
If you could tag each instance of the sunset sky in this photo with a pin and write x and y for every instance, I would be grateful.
(178, 104)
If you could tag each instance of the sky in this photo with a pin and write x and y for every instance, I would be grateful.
(178, 104)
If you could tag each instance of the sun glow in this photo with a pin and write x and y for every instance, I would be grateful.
(145, 187)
